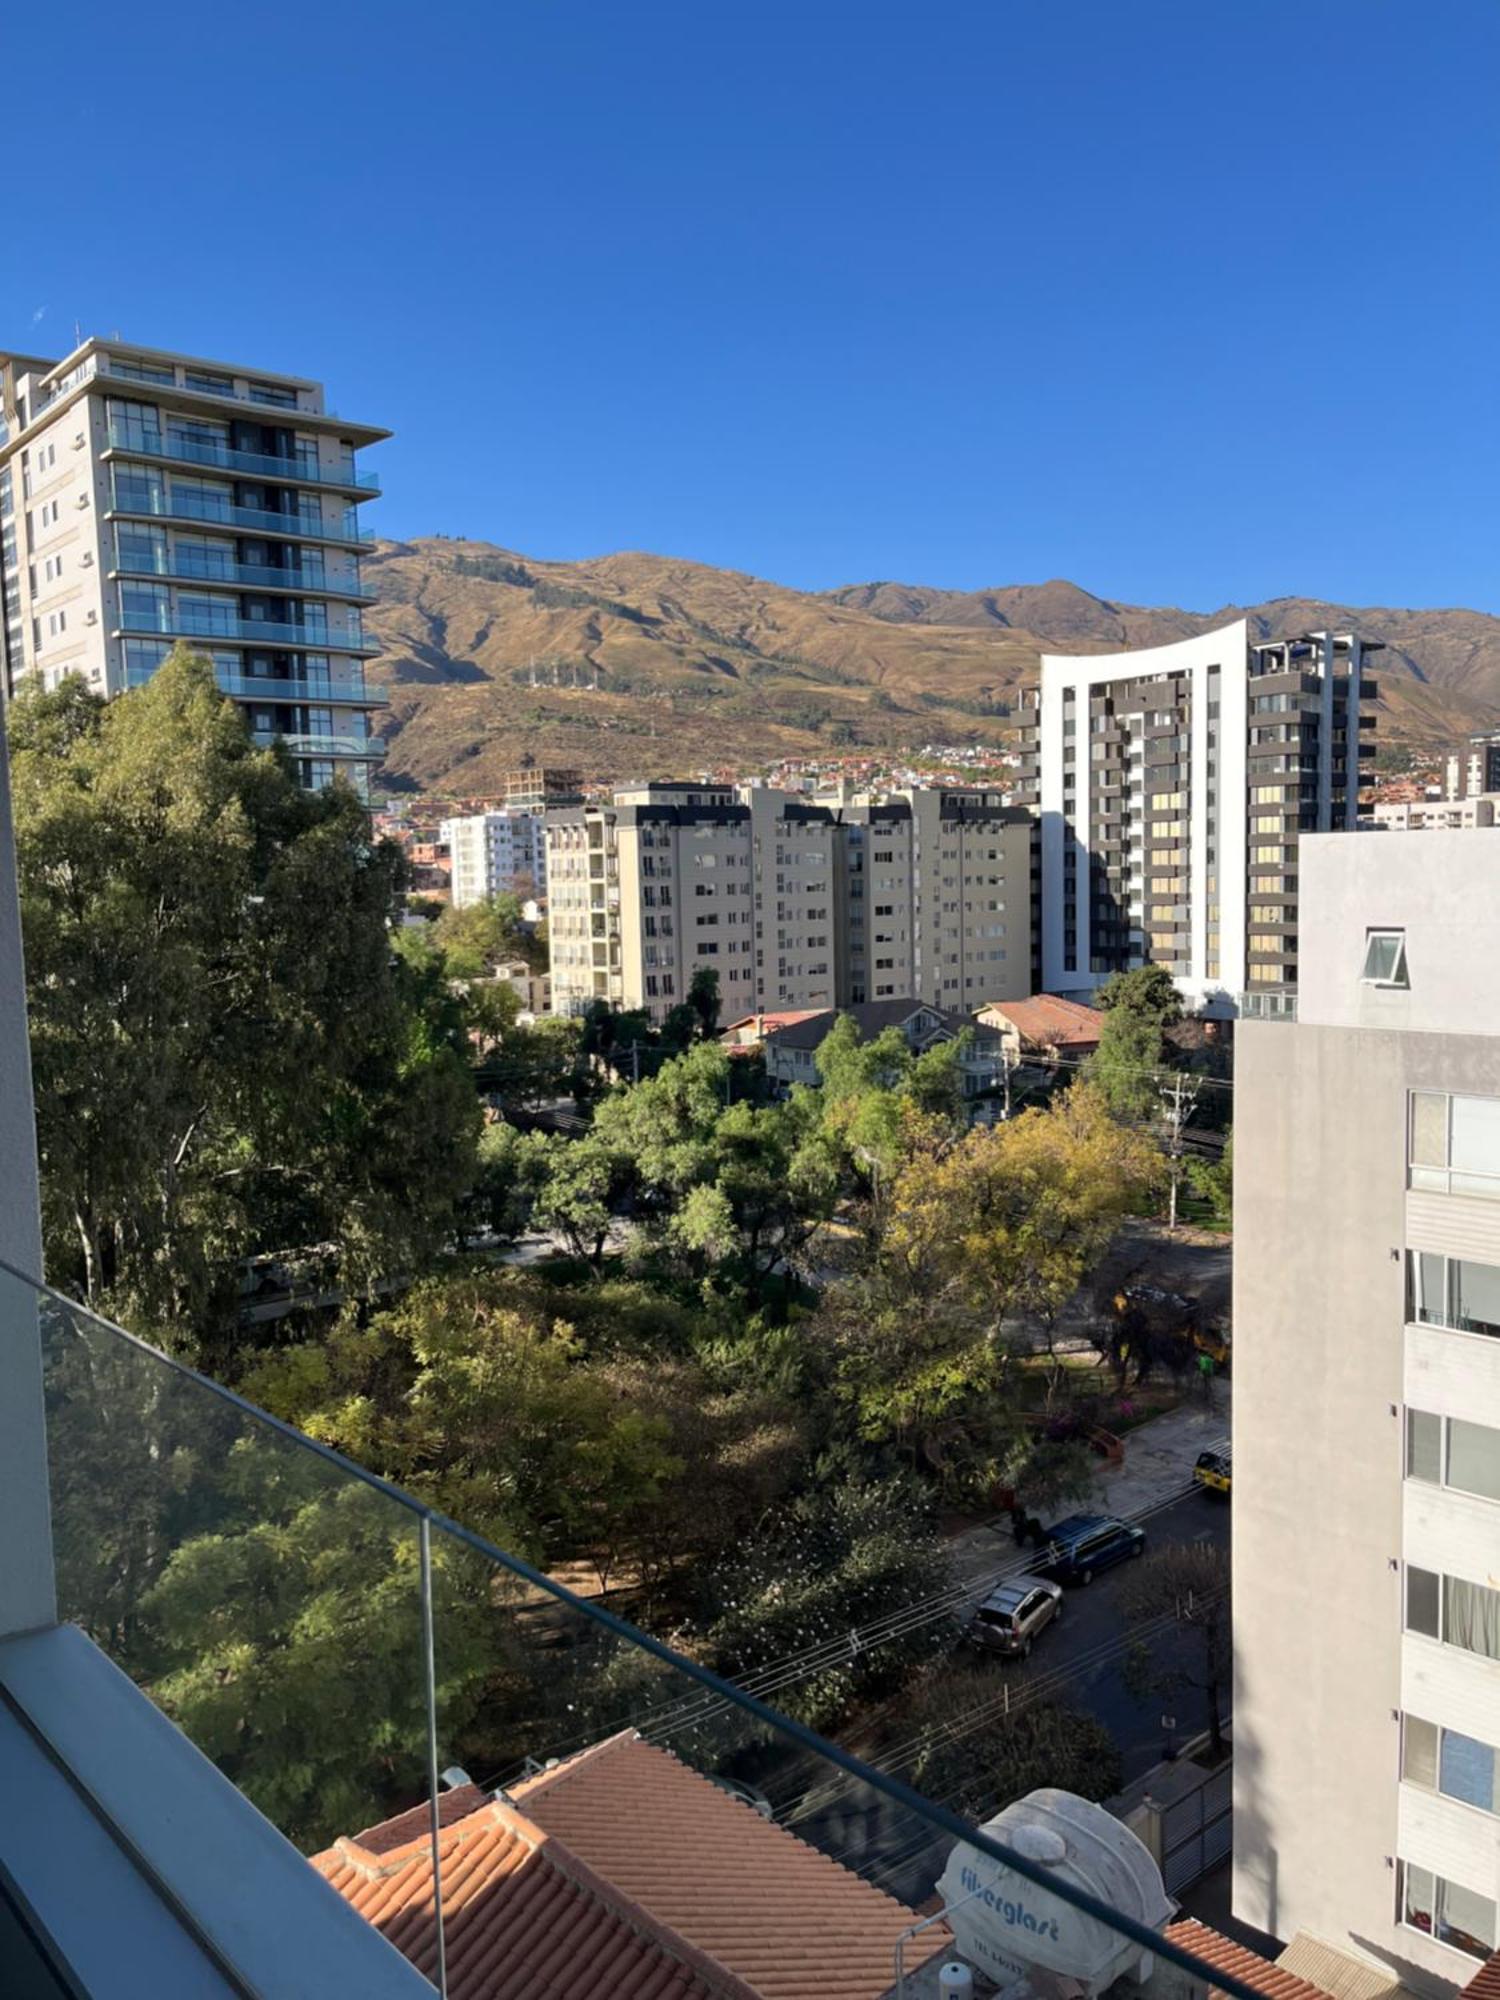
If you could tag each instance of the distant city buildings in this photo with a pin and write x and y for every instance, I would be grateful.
(1473, 766)
(494, 851)
(795, 902)
(1367, 1418)
(1425, 815)
(1173, 786)
(147, 498)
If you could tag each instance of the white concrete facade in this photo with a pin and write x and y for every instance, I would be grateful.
(491, 852)
(1173, 785)
(1367, 1417)
(1190, 661)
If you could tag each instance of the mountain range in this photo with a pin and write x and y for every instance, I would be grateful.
(636, 665)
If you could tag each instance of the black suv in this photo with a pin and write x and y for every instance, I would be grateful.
(1082, 1545)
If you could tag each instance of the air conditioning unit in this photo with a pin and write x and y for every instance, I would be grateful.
(82, 501)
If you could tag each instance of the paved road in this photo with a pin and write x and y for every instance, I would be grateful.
(1080, 1661)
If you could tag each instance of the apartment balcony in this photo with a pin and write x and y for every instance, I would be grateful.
(247, 576)
(1269, 1004)
(324, 690)
(192, 512)
(262, 632)
(133, 441)
(356, 749)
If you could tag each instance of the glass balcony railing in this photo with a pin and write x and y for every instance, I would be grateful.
(164, 377)
(138, 441)
(185, 623)
(366, 747)
(156, 504)
(332, 1644)
(249, 576)
(283, 689)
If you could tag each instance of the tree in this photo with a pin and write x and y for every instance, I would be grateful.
(837, 1558)
(703, 998)
(285, 1645)
(1188, 1583)
(1003, 1225)
(228, 1058)
(1213, 1180)
(1125, 1066)
(1147, 990)
(974, 1755)
(476, 937)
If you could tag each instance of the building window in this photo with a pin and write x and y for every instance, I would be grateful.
(1446, 1761)
(1442, 1910)
(1453, 1452)
(1385, 959)
(1454, 1292)
(1454, 1143)
(1451, 1609)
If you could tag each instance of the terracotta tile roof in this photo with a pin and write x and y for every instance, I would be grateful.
(789, 1921)
(1048, 1020)
(625, 1872)
(413, 1825)
(1485, 1985)
(521, 1919)
(1225, 1956)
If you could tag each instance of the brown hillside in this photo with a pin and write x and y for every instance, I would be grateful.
(638, 664)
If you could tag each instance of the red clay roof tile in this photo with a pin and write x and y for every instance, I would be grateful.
(626, 1871)
(1226, 1956)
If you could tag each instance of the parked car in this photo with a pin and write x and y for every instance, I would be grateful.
(1082, 1545)
(1013, 1614)
(1212, 1472)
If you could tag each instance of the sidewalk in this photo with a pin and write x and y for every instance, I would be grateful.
(1158, 1468)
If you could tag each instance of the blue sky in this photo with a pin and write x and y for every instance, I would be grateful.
(1192, 303)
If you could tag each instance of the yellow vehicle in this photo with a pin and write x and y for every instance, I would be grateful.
(1212, 1471)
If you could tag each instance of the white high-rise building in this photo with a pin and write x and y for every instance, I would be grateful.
(147, 498)
(1367, 1416)
(1173, 786)
(493, 851)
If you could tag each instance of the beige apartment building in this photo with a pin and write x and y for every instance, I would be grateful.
(149, 497)
(796, 903)
(1457, 814)
(1367, 1417)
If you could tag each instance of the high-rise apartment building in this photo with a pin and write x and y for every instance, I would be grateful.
(1367, 1416)
(1173, 786)
(971, 874)
(494, 851)
(147, 498)
(796, 903)
(1473, 766)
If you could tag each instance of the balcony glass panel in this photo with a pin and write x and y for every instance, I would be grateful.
(197, 446)
(225, 1568)
(330, 1642)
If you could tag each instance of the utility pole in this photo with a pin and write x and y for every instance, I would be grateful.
(1180, 1102)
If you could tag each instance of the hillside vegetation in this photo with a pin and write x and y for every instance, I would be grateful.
(637, 665)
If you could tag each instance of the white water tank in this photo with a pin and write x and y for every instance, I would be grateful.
(1008, 1926)
(955, 1981)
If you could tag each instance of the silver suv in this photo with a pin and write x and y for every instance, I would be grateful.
(1013, 1614)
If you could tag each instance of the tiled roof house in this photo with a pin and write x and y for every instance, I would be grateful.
(623, 1871)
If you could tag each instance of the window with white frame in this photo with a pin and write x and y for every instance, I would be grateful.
(1454, 1143)
(1448, 1912)
(1385, 959)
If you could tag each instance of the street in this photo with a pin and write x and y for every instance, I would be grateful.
(1078, 1661)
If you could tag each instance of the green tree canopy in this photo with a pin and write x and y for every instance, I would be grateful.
(227, 1057)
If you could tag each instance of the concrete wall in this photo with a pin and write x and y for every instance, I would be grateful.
(1321, 1512)
(1443, 889)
